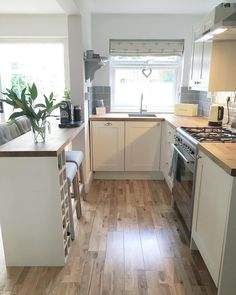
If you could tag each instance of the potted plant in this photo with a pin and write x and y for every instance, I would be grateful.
(27, 106)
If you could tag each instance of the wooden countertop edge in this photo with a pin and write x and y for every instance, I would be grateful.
(29, 154)
(43, 153)
(231, 171)
(77, 131)
(150, 119)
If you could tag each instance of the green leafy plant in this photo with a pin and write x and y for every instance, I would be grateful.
(67, 94)
(27, 106)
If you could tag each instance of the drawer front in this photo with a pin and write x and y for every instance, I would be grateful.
(108, 124)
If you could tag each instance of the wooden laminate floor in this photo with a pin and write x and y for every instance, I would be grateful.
(128, 242)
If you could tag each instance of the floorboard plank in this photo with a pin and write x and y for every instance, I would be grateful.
(129, 241)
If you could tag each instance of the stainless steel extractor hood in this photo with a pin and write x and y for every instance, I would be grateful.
(224, 27)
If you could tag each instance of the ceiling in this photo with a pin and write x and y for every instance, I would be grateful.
(30, 7)
(108, 6)
(153, 6)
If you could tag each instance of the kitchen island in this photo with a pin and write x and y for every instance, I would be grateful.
(34, 210)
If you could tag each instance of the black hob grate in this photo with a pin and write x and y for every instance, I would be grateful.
(211, 134)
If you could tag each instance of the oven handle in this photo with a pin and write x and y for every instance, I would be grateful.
(188, 161)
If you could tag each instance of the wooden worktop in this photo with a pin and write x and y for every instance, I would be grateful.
(175, 121)
(123, 117)
(24, 146)
(223, 154)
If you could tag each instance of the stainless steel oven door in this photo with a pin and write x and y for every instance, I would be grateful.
(183, 185)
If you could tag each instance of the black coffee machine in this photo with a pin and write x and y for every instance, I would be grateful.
(70, 116)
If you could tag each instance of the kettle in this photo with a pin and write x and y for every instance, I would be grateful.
(216, 115)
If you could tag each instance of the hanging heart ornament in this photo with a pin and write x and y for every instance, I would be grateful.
(147, 72)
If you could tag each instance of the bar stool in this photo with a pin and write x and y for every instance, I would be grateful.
(77, 157)
(72, 179)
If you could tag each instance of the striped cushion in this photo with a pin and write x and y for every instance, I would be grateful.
(8, 131)
(75, 157)
(24, 125)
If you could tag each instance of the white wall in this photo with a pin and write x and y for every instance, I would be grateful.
(126, 26)
(77, 86)
(33, 26)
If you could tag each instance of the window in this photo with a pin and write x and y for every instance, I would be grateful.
(24, 63)
(136, 71)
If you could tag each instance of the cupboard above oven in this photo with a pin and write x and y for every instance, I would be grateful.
(213, 64)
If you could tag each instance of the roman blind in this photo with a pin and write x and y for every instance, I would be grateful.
(146, 47)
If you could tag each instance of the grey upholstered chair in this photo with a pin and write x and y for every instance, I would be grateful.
(8, 131)
(23, 123)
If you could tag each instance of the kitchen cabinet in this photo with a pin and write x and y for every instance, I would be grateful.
(213, 229)
(200, 63)
(125, 146)
(212, 63)
(142, 146)
(108, 145)
(167, 139)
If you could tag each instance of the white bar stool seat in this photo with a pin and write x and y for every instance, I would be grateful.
(77, 157)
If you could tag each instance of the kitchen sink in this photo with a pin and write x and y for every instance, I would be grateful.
(142, 115)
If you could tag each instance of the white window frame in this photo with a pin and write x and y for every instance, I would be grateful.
(42, 40)
(177, 66)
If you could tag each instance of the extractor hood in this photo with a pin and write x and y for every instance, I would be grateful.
(224, 27)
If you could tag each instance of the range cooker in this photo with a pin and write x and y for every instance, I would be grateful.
(184, 162)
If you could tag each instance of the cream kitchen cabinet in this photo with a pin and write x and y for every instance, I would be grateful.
(213, 229)
(108, 145)
(201, 60)
(126, 146)
(167, 139)
(213, 62)
(142, 146)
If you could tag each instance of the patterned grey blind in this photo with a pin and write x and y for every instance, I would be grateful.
(146, 47)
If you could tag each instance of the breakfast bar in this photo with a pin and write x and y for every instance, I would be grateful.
(34, 212)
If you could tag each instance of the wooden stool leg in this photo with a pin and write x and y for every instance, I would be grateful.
(71, 215)
(82, 182)
(77, 196)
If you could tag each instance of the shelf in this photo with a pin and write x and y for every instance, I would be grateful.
(92, 65)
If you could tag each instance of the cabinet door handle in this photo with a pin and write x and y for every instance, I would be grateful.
(108, 124)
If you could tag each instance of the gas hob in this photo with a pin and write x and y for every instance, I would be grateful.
(211, 134)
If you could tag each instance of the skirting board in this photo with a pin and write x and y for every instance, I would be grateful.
(157, 175)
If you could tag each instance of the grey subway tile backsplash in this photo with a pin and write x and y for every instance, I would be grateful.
(204, 99)
(98, 93)
(197, 97)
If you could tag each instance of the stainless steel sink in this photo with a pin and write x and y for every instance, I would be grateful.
(142, 115)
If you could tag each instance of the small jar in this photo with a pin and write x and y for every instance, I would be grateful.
(77, 113)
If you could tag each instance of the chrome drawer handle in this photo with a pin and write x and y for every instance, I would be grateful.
(108, 124)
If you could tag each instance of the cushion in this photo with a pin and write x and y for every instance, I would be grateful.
(71, 170)
(75, 157)
(8, 131)
(23, 123)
